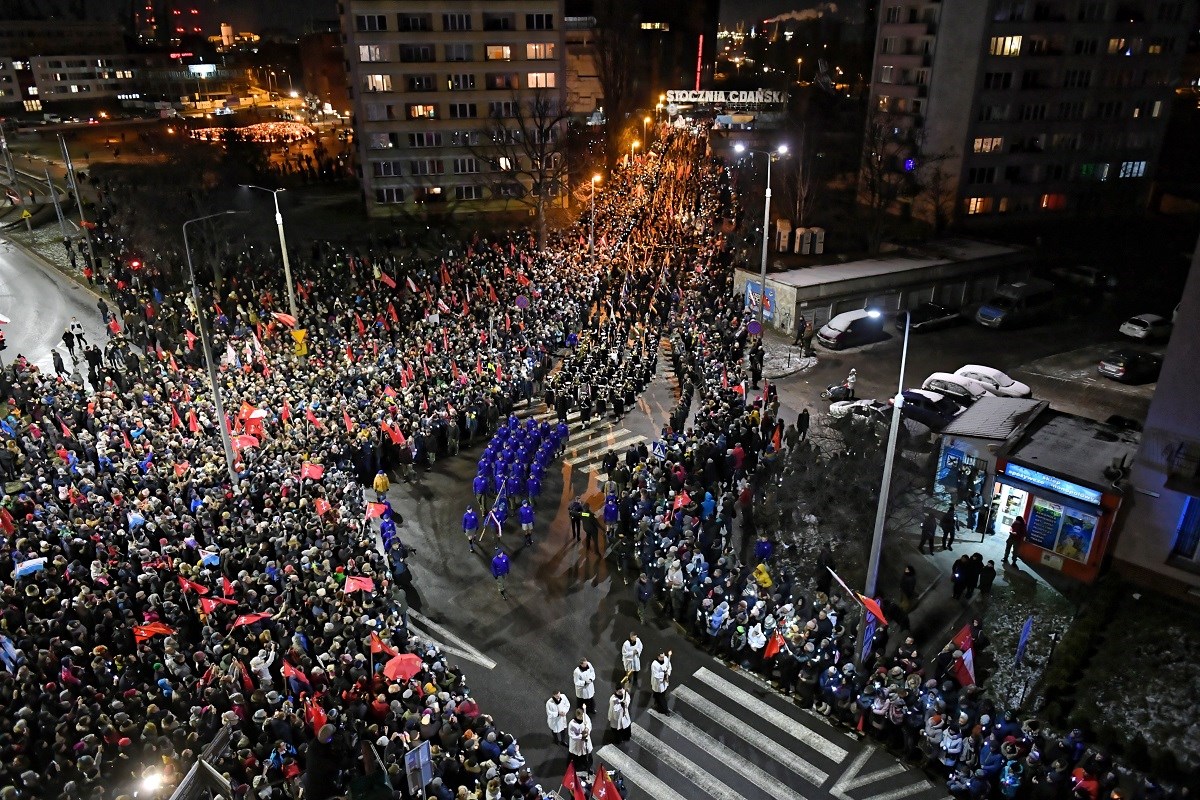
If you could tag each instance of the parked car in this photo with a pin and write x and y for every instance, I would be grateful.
(996, 381)
(844, 409)
(931, 409)
(928, 317)
(1130, 366)
(1146, 327)
(1018, 303)
(1087, 277)
(851, 328)
(960, 389)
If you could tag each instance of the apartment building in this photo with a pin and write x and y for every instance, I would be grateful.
(1032, 107)
(433, 82)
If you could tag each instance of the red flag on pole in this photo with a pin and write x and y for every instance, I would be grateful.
(604, 788)
(175, 420)
(681, 500)
(66, 431)
(314, 471)
(286, 413)
(286, 319)
(392, 313)
(311, 417)
(478, 366)
(187, 586)
(445, 275)
(387, 280)
(572, 784)
(143, 632)
(357, 583)
(321, 506)
(362, 326)
(208, 604)
(492, 294)
(348, 422)
(290, 671)
(453, 369)
(378, 645)
(873, 607)
(250, 619)
(172, 364)
(375, 510)
(499, 372)
(226, 587)
(190, 338)
(388, 391)
(193, 423)
(412, 287)
(315, 714)
(774, 645)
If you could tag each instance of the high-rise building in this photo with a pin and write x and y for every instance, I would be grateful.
(436, 84)
(1032, 107)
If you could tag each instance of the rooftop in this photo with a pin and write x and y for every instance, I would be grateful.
(995, 417)
(1076, 448)
(946, 251)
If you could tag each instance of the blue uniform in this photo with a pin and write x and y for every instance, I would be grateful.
(470, 521)
(525, 514)
(500, 565)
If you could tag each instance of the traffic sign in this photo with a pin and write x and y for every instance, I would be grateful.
(25, 214)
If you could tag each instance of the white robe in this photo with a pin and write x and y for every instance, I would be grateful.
(631, 655)
(618, 712)
(585, 682)
(660, 675)
(557, 714)
(580, 737)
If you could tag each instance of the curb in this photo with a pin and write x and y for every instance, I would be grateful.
(51, 268)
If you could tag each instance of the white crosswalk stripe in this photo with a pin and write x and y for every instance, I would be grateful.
(766, 744)
(770, 714)
(636, 774)
(758, 777)
(668, 755)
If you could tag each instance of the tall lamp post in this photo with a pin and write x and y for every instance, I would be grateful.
(287, 265)
(885, 487)
(779, 152)
(645, 122)
(592, 223)
(226, 441)
(632, 148)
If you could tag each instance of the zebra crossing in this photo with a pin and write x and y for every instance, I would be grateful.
(729, 739)
(586, 447)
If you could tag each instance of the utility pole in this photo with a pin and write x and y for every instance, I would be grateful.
(74, 187)
(62, 223)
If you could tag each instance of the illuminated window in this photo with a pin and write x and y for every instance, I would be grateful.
(498, 52)
(422, 111)
(656, 26)
(371, 52)
(979, 205)
(542, 80)
(1132, 169)
(885, 74)
(377, 83)
(1005, 46)
(989, 144)
(539, 51)
(1053, 202)
(461, 83)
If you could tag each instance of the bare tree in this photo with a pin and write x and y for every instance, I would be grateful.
(616, 47)
(523, 146)
(799, 181)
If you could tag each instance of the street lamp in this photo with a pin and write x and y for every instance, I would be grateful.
(287, 267)
(592, 224)
(885, 488)
(799, 68)
(779, 152)
(645, 122)
(219, 407)
(636, 144)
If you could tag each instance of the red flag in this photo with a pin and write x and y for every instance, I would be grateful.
(375, 510)
(777, 439)
(604, 788)
(226, 587)
(963, 640)
(172, 364)
(193, 423)
(321, 506)
(207, 604)
(766, 391)
(387, 280)
(403, 379)
(388, 391)
(249, 619)
(453, 369)
(143, 632)
(378, 645)
(521, 279)
(392, 313)
(286, 319)
(478, 366)
(175, 420)
(286, 413)
(346, 419)
(349, 352)
(964, 668)
(314, 471)
(425, 368)
(190, 338)
(291, 672)
(412, 287)
(507, 323)
(311, 417)
(445, 275)
(315, 714)
(187, 585)
(681, 500)
(6, 521)
(571, 782)
(774, 645)
(411, 377)
(66, 431)
(492, 294)
(357, 583)
(499, 372)
(181, 468)
(362, 327)
(873, 607)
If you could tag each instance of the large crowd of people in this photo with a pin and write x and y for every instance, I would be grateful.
(154, 600)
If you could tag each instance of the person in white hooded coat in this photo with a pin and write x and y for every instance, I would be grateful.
(631, 657)
(558, 713)
(619, 715)
(585, 686)
(579, 732)
(660, 680)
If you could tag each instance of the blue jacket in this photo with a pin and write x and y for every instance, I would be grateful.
(500, 565)
(480, 484)
(525, 514)
(470, 520)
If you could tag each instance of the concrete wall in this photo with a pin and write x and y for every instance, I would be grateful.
(1148, 532)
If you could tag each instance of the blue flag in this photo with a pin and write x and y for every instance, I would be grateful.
(1024, 640)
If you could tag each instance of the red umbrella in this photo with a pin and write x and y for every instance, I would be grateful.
(402, 667)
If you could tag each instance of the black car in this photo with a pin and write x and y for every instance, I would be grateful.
(1130, 366)
(929, 317)
(933, 410)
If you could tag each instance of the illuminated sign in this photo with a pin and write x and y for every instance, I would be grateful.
(1063, 487)
(202, 70)
(757, 97)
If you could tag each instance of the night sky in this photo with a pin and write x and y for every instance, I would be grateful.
(733, 11)
(292, 16)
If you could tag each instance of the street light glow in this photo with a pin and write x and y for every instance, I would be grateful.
(152, 782)
(636, 144)
(739, 148)
(782, 150)
(873, 313)
(596, 178)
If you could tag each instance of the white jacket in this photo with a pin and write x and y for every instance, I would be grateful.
(631, 655)
(579, 737)
(618, 711)
(557, 714)
(660, 675)
(585, 682)
(756, 638)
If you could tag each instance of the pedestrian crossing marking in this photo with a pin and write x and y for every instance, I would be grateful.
(668, 755)
(850, 779)
(878, 775)
(747, 733)
(636, 774)
(902, 792)
(772, 715)
(758, 777)
(619, 444)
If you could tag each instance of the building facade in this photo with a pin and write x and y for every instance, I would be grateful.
(1160, 537)
(1030, 108)
(434, 84)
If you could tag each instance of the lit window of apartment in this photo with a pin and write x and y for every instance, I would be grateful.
(989, 144)
(1119, 46)
(377, 83)
(886, 74)
(542, 80)
(389, 194)
(1005, 46)
(1132, 169)
(1094, 172)
(428, 194)
(539, 22)
(539, 51)
(498, 52)
(461, 83)
(368, 53)
(466, 166)
(1053, 202)
(501, 80)
(370, 22)
(380, 141)
(979, 205)
(421, 111)
(884, 102)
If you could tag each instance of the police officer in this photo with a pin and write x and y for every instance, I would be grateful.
(575, 512)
